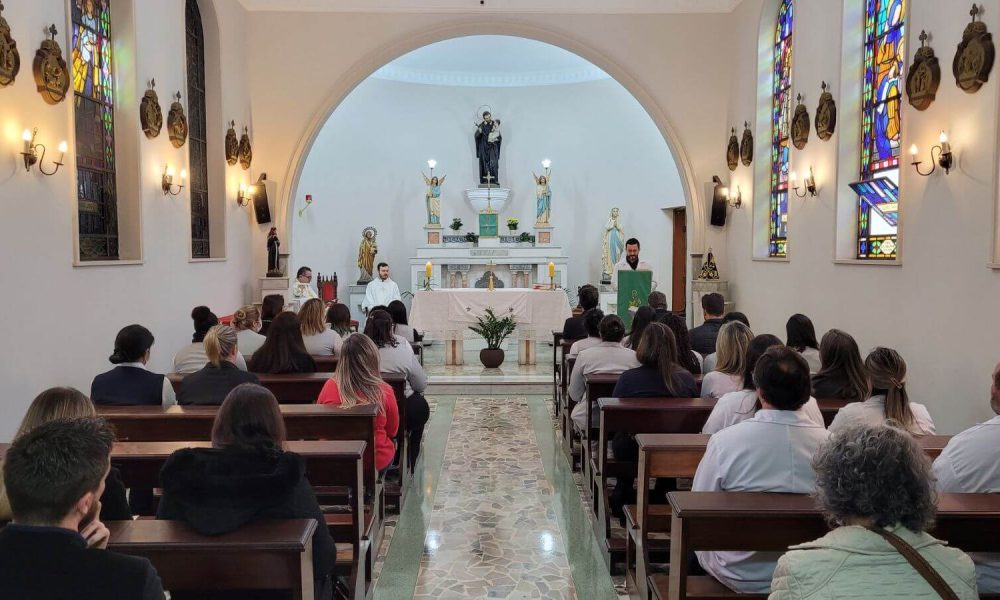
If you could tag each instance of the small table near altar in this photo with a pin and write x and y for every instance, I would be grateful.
(447, 314)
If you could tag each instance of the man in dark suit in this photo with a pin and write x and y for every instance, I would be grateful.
(573, 328)
(54, 548)
(703, 336)
(658, 302)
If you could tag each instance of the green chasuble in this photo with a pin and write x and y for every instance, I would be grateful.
(633, 291)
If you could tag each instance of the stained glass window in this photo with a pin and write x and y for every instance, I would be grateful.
(93, 95)
(880, 124)
(781, 110)
(197, 134)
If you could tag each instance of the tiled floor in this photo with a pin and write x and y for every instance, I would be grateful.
(472, 370)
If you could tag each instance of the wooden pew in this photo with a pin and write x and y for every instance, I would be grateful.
(329, 464)
(325, 363)
(273, 555)
(557, 338)
(566, 423)
(396, 491)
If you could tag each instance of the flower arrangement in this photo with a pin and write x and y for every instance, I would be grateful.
(526, 237)
(456, 224)
(512, 224)
(472, 237)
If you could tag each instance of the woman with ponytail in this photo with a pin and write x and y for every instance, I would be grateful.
(192, 357)
(220, 375)
(247, 323)
(129, 383)
(889, 400)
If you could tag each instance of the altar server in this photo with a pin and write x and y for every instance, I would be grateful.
(381, 291)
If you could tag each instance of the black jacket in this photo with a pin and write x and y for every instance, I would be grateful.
(50, 563)
(122, 386)
(573, 329)
(825, 386)
(646, 382)
(212, 384)
(703, 336)
(217, 491)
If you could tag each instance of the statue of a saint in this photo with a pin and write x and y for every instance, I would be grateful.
(543, 198)
(709, 270)
(488, 141)
(614, 244)
(433, 199)
(366, 254)
(273, 268)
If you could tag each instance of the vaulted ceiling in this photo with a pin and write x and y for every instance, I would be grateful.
(496, 6)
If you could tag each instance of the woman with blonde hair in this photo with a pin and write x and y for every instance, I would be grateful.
(247, 323)
(889, 400)
(320, 339)
(357, 380)
(731, 349)
(69, 403)
(220, 375)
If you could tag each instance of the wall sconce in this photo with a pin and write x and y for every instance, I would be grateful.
(734, 200)
(31, 155)
(809, 183)
(245, 195)
(168, 181)
(242, 199)
(945, 157)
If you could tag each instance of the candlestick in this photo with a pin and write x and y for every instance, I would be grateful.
(62, 152)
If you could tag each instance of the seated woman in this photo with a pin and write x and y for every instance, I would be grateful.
(245, 476)
(270, 307)
(842, 374)
(130, 383)
(874, 485)
(396, 356)
(592, 318)
(283, 350)
(709, 362)
(400, 323)
(318, 337)
(216, 379)
(801, 336)
(69, 403)
(192, 357)
(643, 316)
(339, 318)
(731, 349)
(358, 380)
(686, 356)
(736, 407)
(247, 323)
(889, 400)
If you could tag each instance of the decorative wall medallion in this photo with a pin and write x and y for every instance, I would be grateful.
(232, 145)
(800, 125)
(150, 114)
(246, 152)
(10, 58)
(177, 125)
(974, 57)
(51, 74)
(924, 77)
(746, 145)
(733, 151)
(826, 115)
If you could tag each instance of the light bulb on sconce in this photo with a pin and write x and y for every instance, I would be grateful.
(809, 183)
(945, 157)
(242, 199)
(431, 164)
(547, 167)
(167, 183)
(31, 154)
(724, 194)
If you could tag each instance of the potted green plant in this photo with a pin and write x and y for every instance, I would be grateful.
(456, 225)
(526, 238)
(472, 237)
(494, 331)
(512, 224)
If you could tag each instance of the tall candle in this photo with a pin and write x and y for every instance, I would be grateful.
(429, 269)
(552, 269)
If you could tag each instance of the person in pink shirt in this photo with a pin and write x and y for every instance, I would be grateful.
(357, 381)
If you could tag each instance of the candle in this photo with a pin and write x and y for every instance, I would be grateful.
(552, 269)
(62, 151)
(945, 146)
(429, 269)
(26, 136)
(913, 150)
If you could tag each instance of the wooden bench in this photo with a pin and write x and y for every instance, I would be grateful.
(557, 338)
(324, 363)
(272, 555)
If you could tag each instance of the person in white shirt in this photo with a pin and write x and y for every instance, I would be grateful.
(887, 374)
(247, 323)
(630, 262)
(591, 324)
(772, 452)
(606, 357)
(801, 337)
(319, 338)
(970, 464)
(736, 407)
(302, 290)
(192, 357)
(381, 291)
(731, 350)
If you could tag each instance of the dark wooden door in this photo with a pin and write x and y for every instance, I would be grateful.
(678, 303)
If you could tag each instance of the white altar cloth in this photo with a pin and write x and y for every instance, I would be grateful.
(447, 314)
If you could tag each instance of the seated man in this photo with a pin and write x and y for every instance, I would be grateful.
(658, 302)
(591, 325)
(703, 336)
(609, 356)
(772, 452)
(380, 291)
(573, 327)
(970, 463)
(54, 548)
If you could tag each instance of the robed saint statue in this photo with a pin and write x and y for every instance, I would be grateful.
(488, 141)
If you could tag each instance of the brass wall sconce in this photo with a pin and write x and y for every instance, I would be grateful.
(32, 156)
(734, 200)
(168, 181)
(246, 193)
(945, 158)
(808, 184)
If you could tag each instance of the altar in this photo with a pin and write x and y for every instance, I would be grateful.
(447, 314)
(512, 266)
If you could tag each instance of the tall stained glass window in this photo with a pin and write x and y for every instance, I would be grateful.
(880, 128)
(781, 111)
(197, 134)
(93, 96)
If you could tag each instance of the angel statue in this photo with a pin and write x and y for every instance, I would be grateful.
(614, 244)
(433, 198)
(366, 254)
(543, 198)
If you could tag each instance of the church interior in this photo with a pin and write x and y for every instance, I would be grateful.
(515, 177)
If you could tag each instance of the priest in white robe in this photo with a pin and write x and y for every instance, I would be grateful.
(302, 289)
(630, 262)
(381, 291)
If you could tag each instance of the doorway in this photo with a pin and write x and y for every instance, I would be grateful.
(678, 302)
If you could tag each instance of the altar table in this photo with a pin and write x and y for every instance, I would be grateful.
(447, 314)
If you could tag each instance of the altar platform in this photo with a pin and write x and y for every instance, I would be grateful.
(510, 378)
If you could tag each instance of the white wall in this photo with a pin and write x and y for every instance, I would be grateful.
(364, 169)
(60, 321)
(937, 307)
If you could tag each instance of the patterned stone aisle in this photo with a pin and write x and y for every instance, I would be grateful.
(493, 532)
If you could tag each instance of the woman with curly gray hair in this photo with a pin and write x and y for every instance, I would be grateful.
(875, 487)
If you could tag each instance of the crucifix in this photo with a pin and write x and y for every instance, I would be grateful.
(489, 184)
